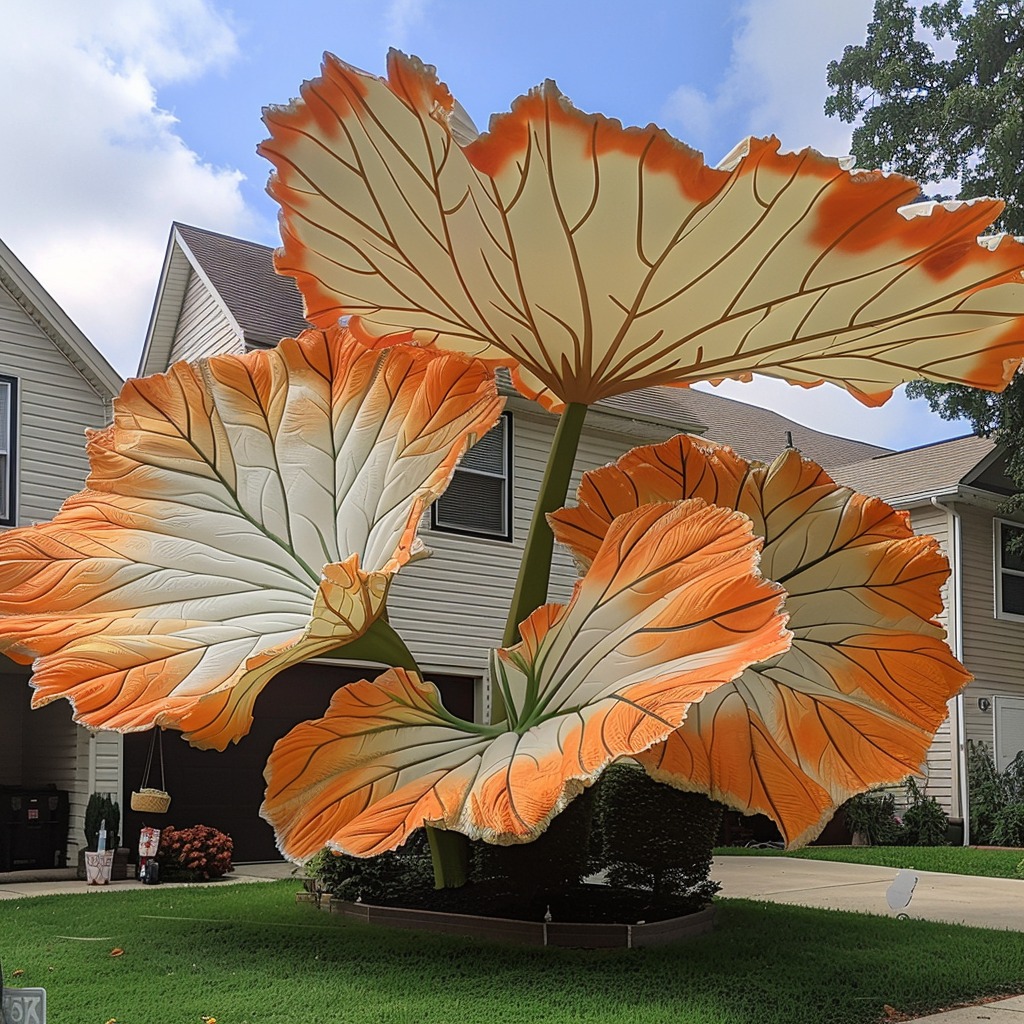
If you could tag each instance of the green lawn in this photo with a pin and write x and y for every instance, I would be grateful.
(247, 953)
(956, 860)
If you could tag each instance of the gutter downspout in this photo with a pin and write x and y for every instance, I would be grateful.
(957, 637)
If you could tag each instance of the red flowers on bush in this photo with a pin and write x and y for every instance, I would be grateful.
(195, 854)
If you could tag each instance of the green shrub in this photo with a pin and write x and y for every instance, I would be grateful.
(194, 854)
(985, 792)
(557, 860)
(1012, 780)
(873, 816)
(372, 879)
(924, 822)
(100, 809)
(647, 835)
(991, 794)
(1008, 829)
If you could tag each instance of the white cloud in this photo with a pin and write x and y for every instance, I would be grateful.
(775, 84)
(899, 424)
(94, 171)
(775, 81)
(401, 17)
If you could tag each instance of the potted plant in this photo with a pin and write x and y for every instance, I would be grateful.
(103, 857)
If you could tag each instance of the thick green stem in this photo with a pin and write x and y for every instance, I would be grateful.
(379, 644)
(535, 569)
(449, 853)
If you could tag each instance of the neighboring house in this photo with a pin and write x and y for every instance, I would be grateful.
(53, 385)
(953, 490)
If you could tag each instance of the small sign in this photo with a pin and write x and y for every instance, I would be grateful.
(24, 1006)
(149, 842)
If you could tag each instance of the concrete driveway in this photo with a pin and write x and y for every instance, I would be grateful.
(956, 899)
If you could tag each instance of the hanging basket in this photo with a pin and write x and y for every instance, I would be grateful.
(151, 801)
(147, 799)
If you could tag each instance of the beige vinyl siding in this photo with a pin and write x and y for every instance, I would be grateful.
(203, 328)
(993, 648)
(98, 766)
(55, 405)
(451, 608)
(940, 770)
(108, 763)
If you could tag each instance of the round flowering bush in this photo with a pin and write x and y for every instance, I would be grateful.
(194, 854)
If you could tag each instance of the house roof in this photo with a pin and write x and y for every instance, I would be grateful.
(919, 473)
(57, 325)
(261, 306)
(266, 307)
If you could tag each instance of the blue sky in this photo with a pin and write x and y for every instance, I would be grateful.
(133, 113)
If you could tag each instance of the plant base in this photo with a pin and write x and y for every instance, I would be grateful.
(575, 934)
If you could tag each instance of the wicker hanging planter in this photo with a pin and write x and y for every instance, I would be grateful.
(147, 799)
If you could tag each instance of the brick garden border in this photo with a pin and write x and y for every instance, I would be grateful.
(578, 935)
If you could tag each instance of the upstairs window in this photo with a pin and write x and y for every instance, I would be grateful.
(478, 501)
(8, 449)
(1009, 570)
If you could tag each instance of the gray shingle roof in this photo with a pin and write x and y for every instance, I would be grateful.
(268, 307)
(752, 432)
(918, 472)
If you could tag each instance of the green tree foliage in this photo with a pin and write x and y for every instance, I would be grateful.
(936, 118)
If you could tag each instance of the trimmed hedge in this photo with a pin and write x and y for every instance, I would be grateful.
(647, 835)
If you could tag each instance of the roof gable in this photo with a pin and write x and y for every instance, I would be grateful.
(44, 311)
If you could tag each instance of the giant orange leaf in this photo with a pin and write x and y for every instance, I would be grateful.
(601, 259)
(856, 700)
(671, 608)
(243, 514)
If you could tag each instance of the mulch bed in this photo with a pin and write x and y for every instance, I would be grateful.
(586, 904)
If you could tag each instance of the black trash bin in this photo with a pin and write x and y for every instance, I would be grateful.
(33, 827)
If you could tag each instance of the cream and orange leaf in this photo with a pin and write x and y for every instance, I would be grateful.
(671, 608)
(243, 514)
(599, 259)
(856, 700)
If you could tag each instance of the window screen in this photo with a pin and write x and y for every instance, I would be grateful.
(1010, 569)
(479, 498)
(8, 408)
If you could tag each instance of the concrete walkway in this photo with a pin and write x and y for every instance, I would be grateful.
(16, 885)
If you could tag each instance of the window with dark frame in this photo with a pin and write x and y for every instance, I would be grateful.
(1010, 569)
(478, 501)
(8, 450)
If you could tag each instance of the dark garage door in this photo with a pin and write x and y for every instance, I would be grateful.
(225, 789)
